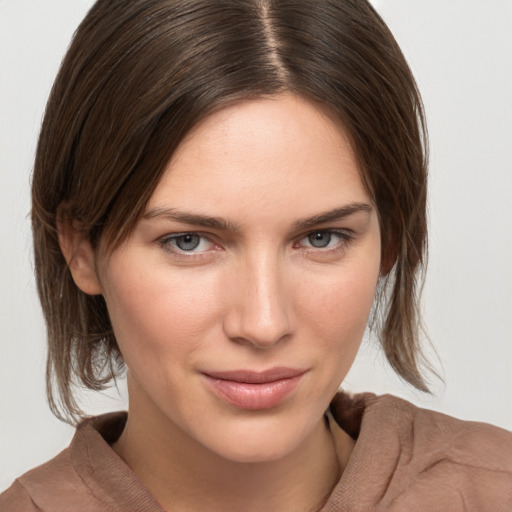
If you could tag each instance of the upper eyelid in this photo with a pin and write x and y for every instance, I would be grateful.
(299, 235)
(210, 236)
(172, 236)
(339, 231)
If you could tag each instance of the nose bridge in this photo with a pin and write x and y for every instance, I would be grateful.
(260, 313)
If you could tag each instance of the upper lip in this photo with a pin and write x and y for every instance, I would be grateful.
(256, 377)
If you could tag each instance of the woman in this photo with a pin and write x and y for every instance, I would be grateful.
(221, 189)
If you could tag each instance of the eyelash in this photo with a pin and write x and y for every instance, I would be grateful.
(167, 244)
(345, 236)
(344, 239)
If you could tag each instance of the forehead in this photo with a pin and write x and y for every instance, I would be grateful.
(269, 155)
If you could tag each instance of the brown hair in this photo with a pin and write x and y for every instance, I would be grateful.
(139, 74)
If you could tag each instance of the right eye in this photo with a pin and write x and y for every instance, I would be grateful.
(184, 243)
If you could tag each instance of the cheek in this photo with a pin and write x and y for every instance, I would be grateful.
(343, 300)
(156, 313)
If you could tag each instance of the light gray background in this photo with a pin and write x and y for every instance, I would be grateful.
(460, 52)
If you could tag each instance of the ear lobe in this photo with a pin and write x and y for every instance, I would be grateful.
(79, 255)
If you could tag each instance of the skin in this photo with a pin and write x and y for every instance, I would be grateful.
(254, 294)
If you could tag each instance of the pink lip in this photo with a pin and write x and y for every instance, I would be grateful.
(254, 390)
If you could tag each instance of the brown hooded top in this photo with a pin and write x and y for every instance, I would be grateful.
(405, 459)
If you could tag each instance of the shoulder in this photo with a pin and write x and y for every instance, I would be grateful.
(437, 437)
(17, 499)
(86, 476)
(430, 433)
(39, 487)
(66, 482)
(417, 456)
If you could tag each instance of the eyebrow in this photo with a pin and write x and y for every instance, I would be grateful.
(196, 219)
(332, 215)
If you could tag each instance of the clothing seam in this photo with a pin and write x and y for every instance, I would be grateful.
(18, 480)
(90, 490)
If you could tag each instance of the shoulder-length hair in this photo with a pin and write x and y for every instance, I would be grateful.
(139, 74)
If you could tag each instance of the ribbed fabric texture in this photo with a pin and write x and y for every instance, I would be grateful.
(405, 459)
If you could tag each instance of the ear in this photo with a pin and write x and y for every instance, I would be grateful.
(79, 254)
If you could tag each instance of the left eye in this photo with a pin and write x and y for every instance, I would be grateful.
(324, 239)
(186, 242)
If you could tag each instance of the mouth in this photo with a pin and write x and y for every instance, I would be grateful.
(253, 390)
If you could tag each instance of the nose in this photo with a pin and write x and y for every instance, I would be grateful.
(260, 307)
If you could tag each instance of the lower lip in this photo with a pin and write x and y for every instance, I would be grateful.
(261, 396)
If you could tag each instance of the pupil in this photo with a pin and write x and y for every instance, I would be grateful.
(319, 239)
(188, 242)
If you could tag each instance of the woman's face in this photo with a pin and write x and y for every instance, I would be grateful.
(241, 297)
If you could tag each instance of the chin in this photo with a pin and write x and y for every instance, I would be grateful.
(245, 453)
(258, 442)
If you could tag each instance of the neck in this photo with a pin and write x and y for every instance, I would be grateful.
(184, 475)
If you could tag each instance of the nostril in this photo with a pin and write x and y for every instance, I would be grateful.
(261, 329)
